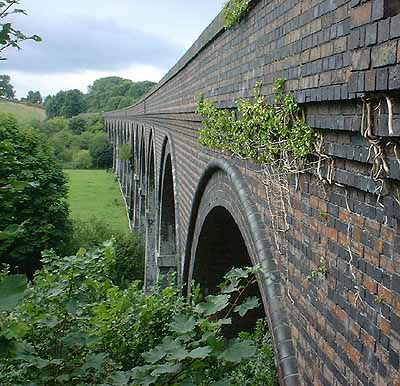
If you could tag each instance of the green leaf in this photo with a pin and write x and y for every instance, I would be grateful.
(250, 304)
(200, 353)
(16, 330)
(214, 304)
(120, 378)
(183, 324)
(166, 369)
(154, 355)
(94, 361)
(238, 351)
(12, 290)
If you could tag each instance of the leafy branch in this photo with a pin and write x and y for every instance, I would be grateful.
(11, 37)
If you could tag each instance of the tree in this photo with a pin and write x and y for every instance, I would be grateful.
(10, 37)
(114, 93)
(6, 88)
(32, 197)
(77, 125)
(33, 97)
(101, 151)
(65, 103)
(82, 160)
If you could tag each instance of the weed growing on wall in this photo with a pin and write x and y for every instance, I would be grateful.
(233, 11)
(273, 136)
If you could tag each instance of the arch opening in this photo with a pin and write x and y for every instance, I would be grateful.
(220, 248)
(150, 265)
(167, 259)
(142, 185)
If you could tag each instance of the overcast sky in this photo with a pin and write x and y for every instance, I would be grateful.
(89, 39)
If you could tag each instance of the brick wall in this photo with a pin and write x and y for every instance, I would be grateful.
(345, 328)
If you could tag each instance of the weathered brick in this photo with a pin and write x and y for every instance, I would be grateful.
(384, 54)
(394, 77)
(361, 15)
(361, 59)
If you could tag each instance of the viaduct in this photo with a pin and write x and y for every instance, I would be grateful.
(203, 212)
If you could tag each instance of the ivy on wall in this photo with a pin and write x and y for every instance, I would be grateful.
(233, 11)
(264, 133)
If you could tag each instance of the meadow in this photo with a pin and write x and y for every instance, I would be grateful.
(25, 114)
(96, 193)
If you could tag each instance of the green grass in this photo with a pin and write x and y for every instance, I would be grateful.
(25, 114)
(95, 193)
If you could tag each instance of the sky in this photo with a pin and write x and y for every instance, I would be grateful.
(90, 39)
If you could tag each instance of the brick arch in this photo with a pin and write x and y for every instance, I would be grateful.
(222, 186)
(167, 229)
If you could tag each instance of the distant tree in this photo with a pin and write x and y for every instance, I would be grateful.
(6, 88)
(77, 124)
(113, 93)
(54, 125)
(82, 160)
(101, 151)
(65, 103)
(33, 97)
(10, 37)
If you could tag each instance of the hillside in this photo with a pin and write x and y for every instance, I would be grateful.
(25, 114)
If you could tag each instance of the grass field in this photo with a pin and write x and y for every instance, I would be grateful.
(25, 114)
(96, 193)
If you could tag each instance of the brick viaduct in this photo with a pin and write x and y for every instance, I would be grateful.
(203, 212)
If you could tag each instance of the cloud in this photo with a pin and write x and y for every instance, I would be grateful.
(52, 83)
(90, 44)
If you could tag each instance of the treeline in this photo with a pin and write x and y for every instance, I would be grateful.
(79, 142)
(105, 94)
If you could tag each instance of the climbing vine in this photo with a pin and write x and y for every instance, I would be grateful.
(273, 136)
(263, 132)
(233, 11)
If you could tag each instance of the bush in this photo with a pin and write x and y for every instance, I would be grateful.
(101, 151)
(77, 124)
(33, 208)
(128, 248)
(75, 327)
(82, 160)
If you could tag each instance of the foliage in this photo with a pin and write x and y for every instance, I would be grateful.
(82, 160)
(233, 11)
(10, 37)
(6, 88)
(65, 103)
(54, 125)
(75, 327)
(259, 370)
(33, 210)
(101, 151)
(263, 133)
(77, 124)
(113, 93)
(33, 97)
(129, 252)
(125, 152)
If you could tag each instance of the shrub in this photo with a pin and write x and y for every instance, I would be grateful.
(82, 160)
(77, 124)
(128, 248)
(101, 151)
(75, 327)
(32, 197)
